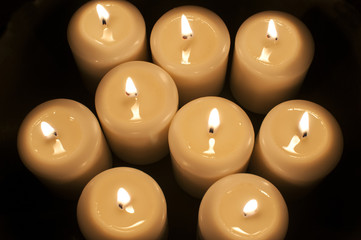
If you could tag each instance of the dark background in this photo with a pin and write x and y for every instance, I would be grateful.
(36, 65)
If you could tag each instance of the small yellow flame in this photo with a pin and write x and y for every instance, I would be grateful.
(213, 120)
(130, 89)
(303, 126)
(48, 130)
(250, 208)
(186, 28)
(123, 197)
(272, 32)
(102, 14)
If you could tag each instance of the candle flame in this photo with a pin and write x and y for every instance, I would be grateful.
(213, 120)
(304, 125)
(123, 199)
(102, 14)
(48, 130)
(250, 208)
(130, 89)
(186, 28)
(272, 32)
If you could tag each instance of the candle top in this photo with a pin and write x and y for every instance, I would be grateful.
(55, 134)
(125, 201)
(243, 206)
(272, 38)
(130, 106)
(102, 29)
(189, 37)
(307, 133)
(210, 139)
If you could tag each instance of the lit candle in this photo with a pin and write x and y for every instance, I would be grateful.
(209, 138)
(122, 203)
(136, 102)
(192, 44)
(242, 206)
(60, 141)
(103, 34)
(272, 54)
(298, 144)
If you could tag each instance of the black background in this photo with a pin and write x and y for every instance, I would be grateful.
(36, 65)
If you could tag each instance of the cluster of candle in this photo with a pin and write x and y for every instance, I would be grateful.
(211, 140)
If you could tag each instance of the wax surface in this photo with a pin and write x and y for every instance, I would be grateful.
(72, 152)
(222, 213)
(144, 216)
(289, 159)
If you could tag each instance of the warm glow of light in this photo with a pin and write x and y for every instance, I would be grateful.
(135, 111)
(185, 56)
(265, 54)
(130, 88)
(272, 32)
(213, 120)
(123, 197)
(58, 147)
(186, 28)
(48, 131)
(211, 143)
(293, 143)
(102, 14)
(303, 125)
(250, 208)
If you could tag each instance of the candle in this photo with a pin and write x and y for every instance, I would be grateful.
(209, 138)
(122, 203)
(192, 44)
(136, 102)
(273, 51)
(298, 144)
(103, 34)
(242, 206)
(61, 142)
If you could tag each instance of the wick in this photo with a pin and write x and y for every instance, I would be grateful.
(304, 134)
(55, 134)
(131, 94)
(211, 130)
(104, 22)
(121, 206)
(269, 36)
(187, 36)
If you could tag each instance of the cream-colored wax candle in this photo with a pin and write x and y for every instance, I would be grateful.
(272, 53)
(122, 203)
(60, 141)
(103, 34)
(298, 144)
(192, 44)
(136, 102)
(209, 138)
(242, 206)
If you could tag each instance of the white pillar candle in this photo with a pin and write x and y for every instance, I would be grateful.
(192, 44)
(209, 138)
(242, 206)
(103, 34)
(298, 144)
(61, 142)
(136, 102)
(122, 203)
(272, 53)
